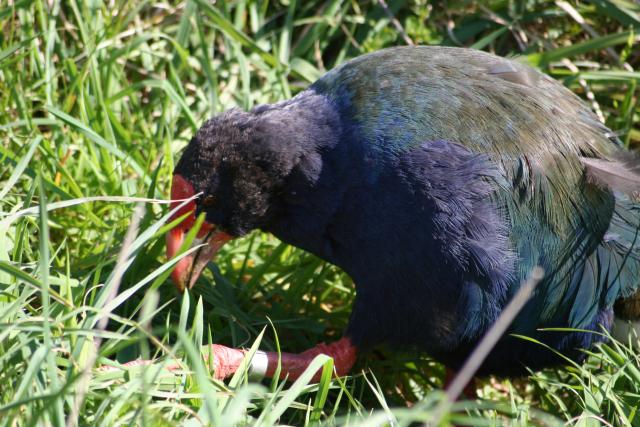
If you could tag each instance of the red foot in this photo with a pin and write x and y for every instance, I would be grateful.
(136, 362)
(226, 362)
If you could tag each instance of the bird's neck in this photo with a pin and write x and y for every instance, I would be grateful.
(313, 190)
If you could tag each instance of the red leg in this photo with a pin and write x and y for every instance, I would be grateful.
(469, 389)
(343, 352)
(227, 360)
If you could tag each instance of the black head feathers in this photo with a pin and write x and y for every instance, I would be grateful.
(240, 161)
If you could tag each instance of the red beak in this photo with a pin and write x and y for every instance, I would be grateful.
(188, 269)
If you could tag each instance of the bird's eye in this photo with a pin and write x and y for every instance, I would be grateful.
(208, 201)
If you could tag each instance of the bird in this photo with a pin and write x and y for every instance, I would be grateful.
(437, 178)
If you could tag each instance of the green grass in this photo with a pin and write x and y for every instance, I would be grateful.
(97, 100)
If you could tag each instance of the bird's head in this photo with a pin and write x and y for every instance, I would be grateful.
(237, 163)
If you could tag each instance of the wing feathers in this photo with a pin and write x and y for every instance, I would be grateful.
(620, 173)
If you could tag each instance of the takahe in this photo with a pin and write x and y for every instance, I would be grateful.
(437, 178)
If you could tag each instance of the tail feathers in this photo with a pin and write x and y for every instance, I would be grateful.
(623, 239)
